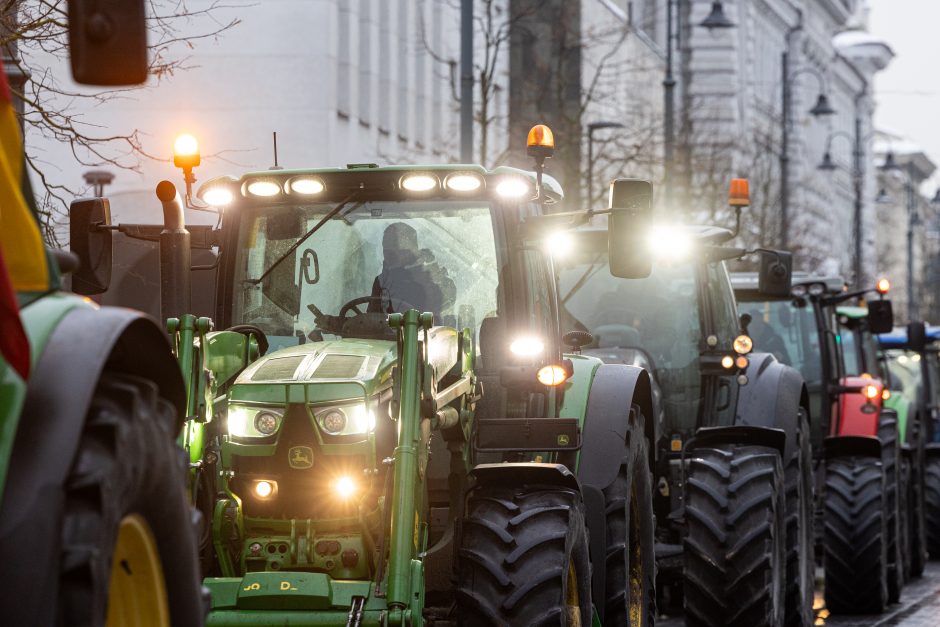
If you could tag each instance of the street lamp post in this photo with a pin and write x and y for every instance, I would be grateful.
(716, 19)
(822, 107)
(594, 126)
(913, 219)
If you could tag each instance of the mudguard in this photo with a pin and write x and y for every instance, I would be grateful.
(525, 473)
(772, 398)
(770, 437)
(851, 446)
(85, 342)
(614, 390)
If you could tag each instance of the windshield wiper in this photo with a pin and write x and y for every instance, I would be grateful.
(316, 227)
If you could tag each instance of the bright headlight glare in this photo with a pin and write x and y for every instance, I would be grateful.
(669, 242)
(253, 422)
(306, 186)
(512, 187)
(527, 347)
(419, 182)
(345, 487)
(552, 375)
(463, 182)
(217, 196)
(743, 345)
(346, 420)
(727, 362)
(264, 489)
(559, 244)
(264, 189)
(870, 391)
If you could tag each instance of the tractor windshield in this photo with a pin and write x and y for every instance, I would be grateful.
(369, 260)
(654, 320)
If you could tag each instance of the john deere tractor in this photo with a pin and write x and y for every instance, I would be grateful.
(95, 527)
(733, 480)
(856, 441)
(388, 431)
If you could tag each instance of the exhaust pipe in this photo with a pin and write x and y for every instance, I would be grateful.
(175, 256)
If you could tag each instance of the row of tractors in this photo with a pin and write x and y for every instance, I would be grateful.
(425, 395)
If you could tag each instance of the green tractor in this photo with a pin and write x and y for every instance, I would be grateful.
(95, 527)
(366, 464)
(733, 476)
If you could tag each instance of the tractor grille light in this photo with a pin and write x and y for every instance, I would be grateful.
(264, 489)
(743, 345)
(463, 182)
(253, 422)
(727, 362)
(264, 189)
(217, 196)
(870, 391)
(347, 420)
(306, 187)
(512, 187)
(334, 420)
(345, 487)
(552, 375)
(527, 347)
(266, 423)
(419, 182)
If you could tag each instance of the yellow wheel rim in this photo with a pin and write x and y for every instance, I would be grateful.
(137, 591)
(572, 599)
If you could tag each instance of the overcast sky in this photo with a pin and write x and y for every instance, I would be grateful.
(908, 91)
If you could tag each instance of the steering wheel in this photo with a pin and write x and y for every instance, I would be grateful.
(253, 330)
(353, 305)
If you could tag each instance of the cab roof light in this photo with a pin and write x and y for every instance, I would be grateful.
(739, 193)
(882, 286)
(420, 182)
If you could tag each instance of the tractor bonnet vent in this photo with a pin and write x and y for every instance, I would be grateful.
(339, 367)
(278, 368)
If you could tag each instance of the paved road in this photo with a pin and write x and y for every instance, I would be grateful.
(919, 607)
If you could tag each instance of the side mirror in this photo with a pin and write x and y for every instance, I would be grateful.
(776, 273)
(880, 316)
(91, 244)
(916, 335)
(631, 217)
(108, 41)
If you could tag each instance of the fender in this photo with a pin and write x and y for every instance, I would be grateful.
(770, 437)
(614, 390)
(85, 342)
(851, 446)
(772, 398)
(525, 473)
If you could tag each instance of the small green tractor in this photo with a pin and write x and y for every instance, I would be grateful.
(733, 476)
(388, 432)
(95, 526)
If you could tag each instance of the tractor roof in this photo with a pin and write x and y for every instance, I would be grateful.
(375, 182)
(898, 337)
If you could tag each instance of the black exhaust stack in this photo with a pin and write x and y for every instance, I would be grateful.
(175, 256)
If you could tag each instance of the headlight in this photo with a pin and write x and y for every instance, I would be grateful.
(253, 422)
(512, 187)
(346, 419)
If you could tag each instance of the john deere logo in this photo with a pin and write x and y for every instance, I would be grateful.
(563, 440)
(300, 457)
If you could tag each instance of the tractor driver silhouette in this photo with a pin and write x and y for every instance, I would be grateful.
(409, 275)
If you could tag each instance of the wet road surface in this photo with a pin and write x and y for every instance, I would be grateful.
(919, 607)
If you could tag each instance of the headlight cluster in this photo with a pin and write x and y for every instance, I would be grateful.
(813, 289)
(346, 419)
(253, 422)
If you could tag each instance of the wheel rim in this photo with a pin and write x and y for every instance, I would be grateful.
(636, 590)
(137, 591)
(572, 597)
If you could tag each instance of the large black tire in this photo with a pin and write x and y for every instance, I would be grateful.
(734, 550)
(630, 548)
(801, 536)
(517, 548)
(932, 506)
(127, 464)
(890, 460)
(855, 538)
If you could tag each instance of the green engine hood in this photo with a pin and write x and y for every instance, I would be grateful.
(334, 369)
